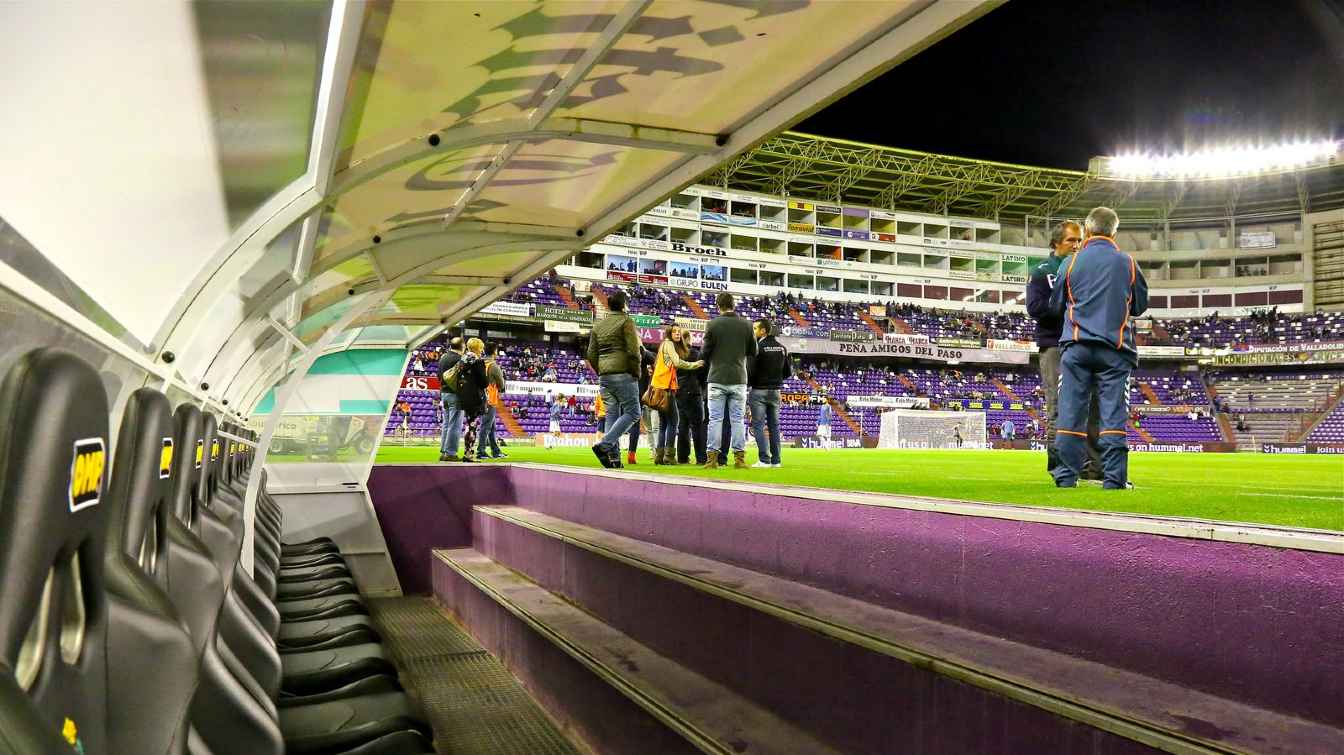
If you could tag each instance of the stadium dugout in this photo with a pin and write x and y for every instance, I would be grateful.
(234, 233)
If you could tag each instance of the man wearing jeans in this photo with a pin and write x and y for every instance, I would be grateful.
(728, 344)
(766, 374)
(452, 415)
(614, 353)
(492, 397)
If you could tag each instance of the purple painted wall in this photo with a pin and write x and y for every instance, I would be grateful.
(1252, 623)
(422, 507)
(856, 700)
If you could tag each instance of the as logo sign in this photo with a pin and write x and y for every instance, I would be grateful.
(86, 473)
(166, 459)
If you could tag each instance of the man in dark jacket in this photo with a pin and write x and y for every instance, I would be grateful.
(1064, 240)
(728, 344)
(1101, 289)
(452, 413)
(691, 408)
(614, 353)
(766, 373)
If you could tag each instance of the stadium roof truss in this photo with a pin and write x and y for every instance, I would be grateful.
(834, 170)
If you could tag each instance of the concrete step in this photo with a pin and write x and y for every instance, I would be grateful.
(620, 696)
(833, 665)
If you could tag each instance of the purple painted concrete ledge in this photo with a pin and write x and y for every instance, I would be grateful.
(1253, 623)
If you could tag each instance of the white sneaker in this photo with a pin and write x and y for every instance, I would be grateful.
(776, 466)
(760, 465)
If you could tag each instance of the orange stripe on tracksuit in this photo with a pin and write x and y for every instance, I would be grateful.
(1069, 288)
(1071, 432)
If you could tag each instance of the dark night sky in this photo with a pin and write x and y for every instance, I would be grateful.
(1029, 83)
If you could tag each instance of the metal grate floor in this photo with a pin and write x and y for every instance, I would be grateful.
(474, 704)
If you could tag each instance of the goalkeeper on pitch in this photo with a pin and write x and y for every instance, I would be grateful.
(1064, 240)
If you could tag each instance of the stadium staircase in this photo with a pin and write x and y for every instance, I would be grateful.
(1312, 420)
(599, 300)
(562, 291)
(1147, 391)
(510, 422)
(909, 384)
(695, 307)
(901, 326)
(798, 318)
(1013, 397)
(651, 623)
(1142, 433)
(1225, 425)
(871, 323)
(836, 407)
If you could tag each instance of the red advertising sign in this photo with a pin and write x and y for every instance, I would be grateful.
(420, 383)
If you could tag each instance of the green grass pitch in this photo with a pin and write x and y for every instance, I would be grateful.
(1293, 491)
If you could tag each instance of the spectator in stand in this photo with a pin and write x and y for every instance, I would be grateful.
(1102, 288)
(550, 375)
(495, 377)
(671, 358)
(728, 344)
(1064, 241)
(691, 409)
(824, 423)
(452, 413)
(571, 404)
(1007, 430)
(766, 373)
(471, 386)
(614, 353)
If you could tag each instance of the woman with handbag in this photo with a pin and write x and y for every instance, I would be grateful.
(662, 389)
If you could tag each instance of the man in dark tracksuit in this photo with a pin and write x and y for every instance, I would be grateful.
(1064, 241)
(691, 407)
(766, 373)
(1101, 289)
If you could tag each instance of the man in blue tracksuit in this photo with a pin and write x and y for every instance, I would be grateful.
(1100, 289)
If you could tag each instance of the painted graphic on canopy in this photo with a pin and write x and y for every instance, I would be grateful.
(86, 473)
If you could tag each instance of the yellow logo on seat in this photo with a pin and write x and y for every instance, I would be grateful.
(200, 452)
(166, 459)
(86, 473)
(71, 734)
(214, 450)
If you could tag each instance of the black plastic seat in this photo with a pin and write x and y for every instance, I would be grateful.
(145, 629)
(53, 610)
(348, 630)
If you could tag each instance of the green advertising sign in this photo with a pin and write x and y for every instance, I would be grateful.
(647, 321)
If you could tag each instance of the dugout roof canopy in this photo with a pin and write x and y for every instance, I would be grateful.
(275, 180)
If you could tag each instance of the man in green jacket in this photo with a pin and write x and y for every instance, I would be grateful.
(613, 352)
(728, 343)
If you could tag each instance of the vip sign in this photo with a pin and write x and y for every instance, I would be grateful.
(166, 459)
(86, 473)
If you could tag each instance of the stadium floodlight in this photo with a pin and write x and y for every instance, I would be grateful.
(1222, 162)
